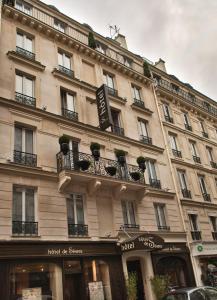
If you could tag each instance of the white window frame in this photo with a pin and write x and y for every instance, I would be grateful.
(58, 25)
(166, 110)
(173, 142)
(210, 153)
(182, 179)
(101, 48)
(160, 219)
(127, 203)
(191, 223)
(64, 57)
(65, 100)
(193, 148)
(211, 223)
(202, 183)
(25, 37)
(24, 7)
(24, 84)
(136, 93)
(73, 198)
(150, 164)
(24, 138)
(143, 128)
(108, 78)
(23, 190)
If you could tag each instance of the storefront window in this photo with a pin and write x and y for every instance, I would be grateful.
(97, 272)
(36, 281)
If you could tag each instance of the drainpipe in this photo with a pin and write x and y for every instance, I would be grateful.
(176, 188)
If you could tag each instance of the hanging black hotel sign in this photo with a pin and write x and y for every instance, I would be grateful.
(143, 242)
(104, 111)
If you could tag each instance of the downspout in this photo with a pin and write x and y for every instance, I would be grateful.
(175, 185)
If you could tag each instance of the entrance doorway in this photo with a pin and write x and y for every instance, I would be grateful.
(134, 266)
(74, 285)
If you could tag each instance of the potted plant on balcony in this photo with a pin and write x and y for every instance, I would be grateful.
(64, 144)
(135, 175)
(121, 157)
(95, 149)
(141, 163)
(83, 164)
(111, 170)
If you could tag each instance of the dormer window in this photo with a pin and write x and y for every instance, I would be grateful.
(24, 7)
(101, 48)
(127, 62)
(59, 25)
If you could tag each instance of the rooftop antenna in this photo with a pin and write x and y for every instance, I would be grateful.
(114, 30)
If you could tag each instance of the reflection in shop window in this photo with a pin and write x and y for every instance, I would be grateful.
(98, 272)
(42, 280)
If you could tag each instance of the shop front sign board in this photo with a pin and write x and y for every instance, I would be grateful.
(204, 249)
(143, 242)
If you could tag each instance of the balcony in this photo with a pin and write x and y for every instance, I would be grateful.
(205, 134)
(86, 164)
(77, 230)
(66, 71)
(214, 235)
(188, 127)
(196, 159)
(186, 193)
(146, 139)
(24, 99)
(24, 228)
(155, 183)
(130, 227)
(25, 53)
(69, 114)
(164, 227)
(139, 102)
(177, 153)
(117, 130)
(196, 235)
(168, 119)
(24, 158)
(206, 197)
(213, 164)
(112, 92)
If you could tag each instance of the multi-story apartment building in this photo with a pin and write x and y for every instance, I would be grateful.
(75, 224)
(190, 126)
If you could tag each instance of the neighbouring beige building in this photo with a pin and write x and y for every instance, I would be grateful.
(69, 222)
(190, 127)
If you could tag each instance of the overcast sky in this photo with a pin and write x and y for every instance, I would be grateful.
(181, 32)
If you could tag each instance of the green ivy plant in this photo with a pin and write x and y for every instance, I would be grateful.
(146, 69)
(91, 40)
(131, 284)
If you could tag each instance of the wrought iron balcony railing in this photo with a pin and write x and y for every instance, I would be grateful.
(24, 158)
(146, 139)
(77, 229)
(164, 227)
(118, 130)
(196, 159)
(155, 183)
(168, 119)
(24, 99)
(189, 97)
(24, 228)
(213, 164)
(25, 53)
(205, 134)
(214, 235)
(130, 226)
(196, 235)
(188, 127)
(206, 197)
(139, 103)
(85, 163)
(69, 114)
(177, 153)
(66, 71)
(112, 91)
(186, 193)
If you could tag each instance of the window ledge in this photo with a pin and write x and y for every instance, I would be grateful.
(25, 60)
(142, 109)
(25, 236)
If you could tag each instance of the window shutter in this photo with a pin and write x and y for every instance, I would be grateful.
(28, 87)
(19, 84)
(30, 206)
(17, 205)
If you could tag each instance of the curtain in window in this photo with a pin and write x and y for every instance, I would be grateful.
(29, 206)
(70, 211)
(60, 59)
(67, 63)
(70, 102)
(28, 44)
(28, 85)
(151, 169)
(20, 40)
(29, 141)
(17, 205)
(160, 215)
(182, 180)
(131, 213)
(136, 93)
(143, 128)
(173, 142)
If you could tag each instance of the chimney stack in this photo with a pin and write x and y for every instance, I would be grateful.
(160, 64)
(121, 40)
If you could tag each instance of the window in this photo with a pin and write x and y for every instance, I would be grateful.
(202, 184)
(213, 221)
(68, 105)
(186, 121)
(101, 48)
(24, 45)
(150, 165)
(160, 216)
(24, 85)
(143, 132)
(127, 62)
(204, 133)
(183, 184)
(59, 25)
(75, 215)
(128, 213)
(193, 222)
(136, 93)
(116, 127)
(108, 80)
(24, 7)
(196, 158)
(64, 62)
(210, 157)
(24, 211)
(166, 111)
(173, 145)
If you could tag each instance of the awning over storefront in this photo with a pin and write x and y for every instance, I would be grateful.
(146, 241)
